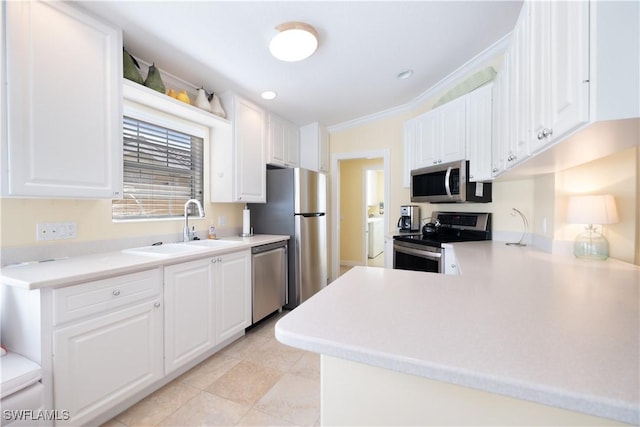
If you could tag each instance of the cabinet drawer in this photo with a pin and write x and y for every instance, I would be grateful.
(90, 298)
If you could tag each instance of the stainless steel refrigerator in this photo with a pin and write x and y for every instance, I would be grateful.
(296, 205)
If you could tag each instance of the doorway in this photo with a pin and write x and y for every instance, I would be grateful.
(373, 220)
(350, 209)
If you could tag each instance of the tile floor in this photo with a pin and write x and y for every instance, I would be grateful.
(256, 381)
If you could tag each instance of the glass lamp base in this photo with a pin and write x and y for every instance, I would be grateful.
(591, 245)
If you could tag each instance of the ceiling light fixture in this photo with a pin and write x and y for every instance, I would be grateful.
(404, 74)
(295, 41)
(269, 95)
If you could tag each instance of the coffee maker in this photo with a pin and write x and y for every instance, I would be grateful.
(409, 218)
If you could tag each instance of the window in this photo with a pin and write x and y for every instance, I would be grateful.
(163, 168)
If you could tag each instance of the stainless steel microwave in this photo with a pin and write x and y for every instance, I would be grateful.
(447, 183)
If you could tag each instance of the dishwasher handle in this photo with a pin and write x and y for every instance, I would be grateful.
(269, 247)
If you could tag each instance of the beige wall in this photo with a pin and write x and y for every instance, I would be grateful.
(93, 218)
(616, 175)
(380, 135)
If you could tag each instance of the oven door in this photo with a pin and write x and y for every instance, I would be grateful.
(411, 256)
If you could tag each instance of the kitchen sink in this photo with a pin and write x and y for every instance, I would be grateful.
(212, 244)
(166, 250)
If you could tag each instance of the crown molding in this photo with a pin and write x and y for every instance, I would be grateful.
(455, 77)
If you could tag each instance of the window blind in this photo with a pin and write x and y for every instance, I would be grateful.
(163, 168)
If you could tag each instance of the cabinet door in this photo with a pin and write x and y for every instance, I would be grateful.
(428, 140)
(103, 361)
(64, 103)
(452, 133)
(517, 146)
(410, 140)
(540, 73)
(569, 50)
(189, 312)
(314, 147)
(233, 294)
(249, 156)
(500, 118)
(283, 142)
(292, 146)
(479, 133)
(324, 149)
(277, 140)
(559, 70)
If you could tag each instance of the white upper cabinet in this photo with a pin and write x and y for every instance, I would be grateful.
(412, 129)
(442, 134)
(501, 119)
(63, 103)
(283, 142)
(314, 147)
(516, 144)
(559, 70)
(479, 133)
(238, 172)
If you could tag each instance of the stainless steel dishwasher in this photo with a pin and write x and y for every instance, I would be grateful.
(269, 278)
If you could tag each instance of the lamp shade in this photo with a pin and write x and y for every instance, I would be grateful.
(295, 41)
(596, 209)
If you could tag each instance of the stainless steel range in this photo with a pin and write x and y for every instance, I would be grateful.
(423, 251)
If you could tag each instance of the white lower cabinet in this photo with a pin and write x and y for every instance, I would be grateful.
(206, 302)
(189, 312)
(105, 344)
(104, 359)
(233, 294)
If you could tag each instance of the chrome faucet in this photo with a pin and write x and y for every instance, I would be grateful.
(188, 234)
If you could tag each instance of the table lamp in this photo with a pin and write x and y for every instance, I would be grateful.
(590, 210)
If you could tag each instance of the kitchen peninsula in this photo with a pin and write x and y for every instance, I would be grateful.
(520, 337)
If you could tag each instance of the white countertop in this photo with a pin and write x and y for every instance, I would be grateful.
(70, 271)
(518, 322)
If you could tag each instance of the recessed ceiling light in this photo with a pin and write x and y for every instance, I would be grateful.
(269, 95)
(404, 74)
(295, 41)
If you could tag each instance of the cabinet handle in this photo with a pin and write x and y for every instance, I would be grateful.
(439, 161)
(214, 260)
(511, 158)
(435, 162)
(494, 170)
(544, 133)
(156, 305)
(116, 292)
(453, 266)
(471, 176)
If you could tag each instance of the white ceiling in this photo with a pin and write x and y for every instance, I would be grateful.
(363, 45)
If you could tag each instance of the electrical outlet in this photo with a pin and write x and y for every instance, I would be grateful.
(222, 220)
(56, 231)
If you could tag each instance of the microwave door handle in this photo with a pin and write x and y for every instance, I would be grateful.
(447, 185)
